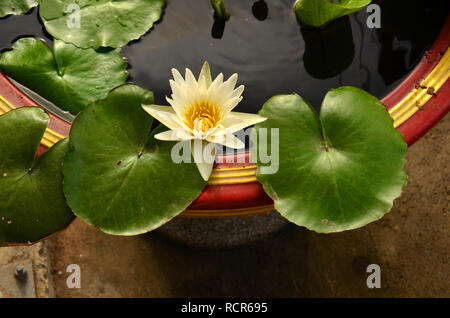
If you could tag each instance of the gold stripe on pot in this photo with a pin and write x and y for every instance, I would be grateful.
(5, 106)
(233, 175)
(50, 137)
(415, 100)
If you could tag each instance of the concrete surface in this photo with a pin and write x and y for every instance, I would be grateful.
(411, 244)
(38, 258)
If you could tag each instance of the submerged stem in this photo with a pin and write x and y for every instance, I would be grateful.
(219, 9)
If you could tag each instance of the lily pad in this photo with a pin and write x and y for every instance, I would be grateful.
(16, 7)
(337, 171)
(68, 76)
(102, 23)
(32, 203)
(117, 176)
(317, 13)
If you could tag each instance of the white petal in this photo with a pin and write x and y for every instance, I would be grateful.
(230, 104)
(229, 140)
(216, 83)
(237, 92)
(164, 114)
(178, 89)
(205, 75)
(177, 76)
(190, 80)
(236, 121)
(229, 84)
(174, 135)
(225, 95)
(205, 169)
(178, 107)
(211, 131)
(225, 90)
(204, 166)
(218, 131)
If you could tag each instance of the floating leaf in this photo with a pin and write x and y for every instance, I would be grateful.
(32, 203)
(107, 23)
(319, 12)
(68, 76)
(117, 175)
(337, 171)
(8, 7)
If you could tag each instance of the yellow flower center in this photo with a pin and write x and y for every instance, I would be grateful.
(202, 116)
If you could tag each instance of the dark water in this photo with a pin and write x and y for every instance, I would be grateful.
(277, 56)
(270, 51)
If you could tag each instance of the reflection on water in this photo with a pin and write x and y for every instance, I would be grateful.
(218, 28)
(14, 27)
(328, 50)
(260, 10)
(277, 55)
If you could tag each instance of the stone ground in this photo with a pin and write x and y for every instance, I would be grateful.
(37, 260)
(411, 244)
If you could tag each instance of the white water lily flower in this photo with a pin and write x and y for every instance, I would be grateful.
(201, 110)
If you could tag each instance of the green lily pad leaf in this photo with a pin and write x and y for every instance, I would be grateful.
(99, 23)
(68, 76)
(316, 13)
(117, 176)
(32, 203)
(337, 171)
(16, 7)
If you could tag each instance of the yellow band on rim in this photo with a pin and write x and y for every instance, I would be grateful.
(50, 137)
(415, 100)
